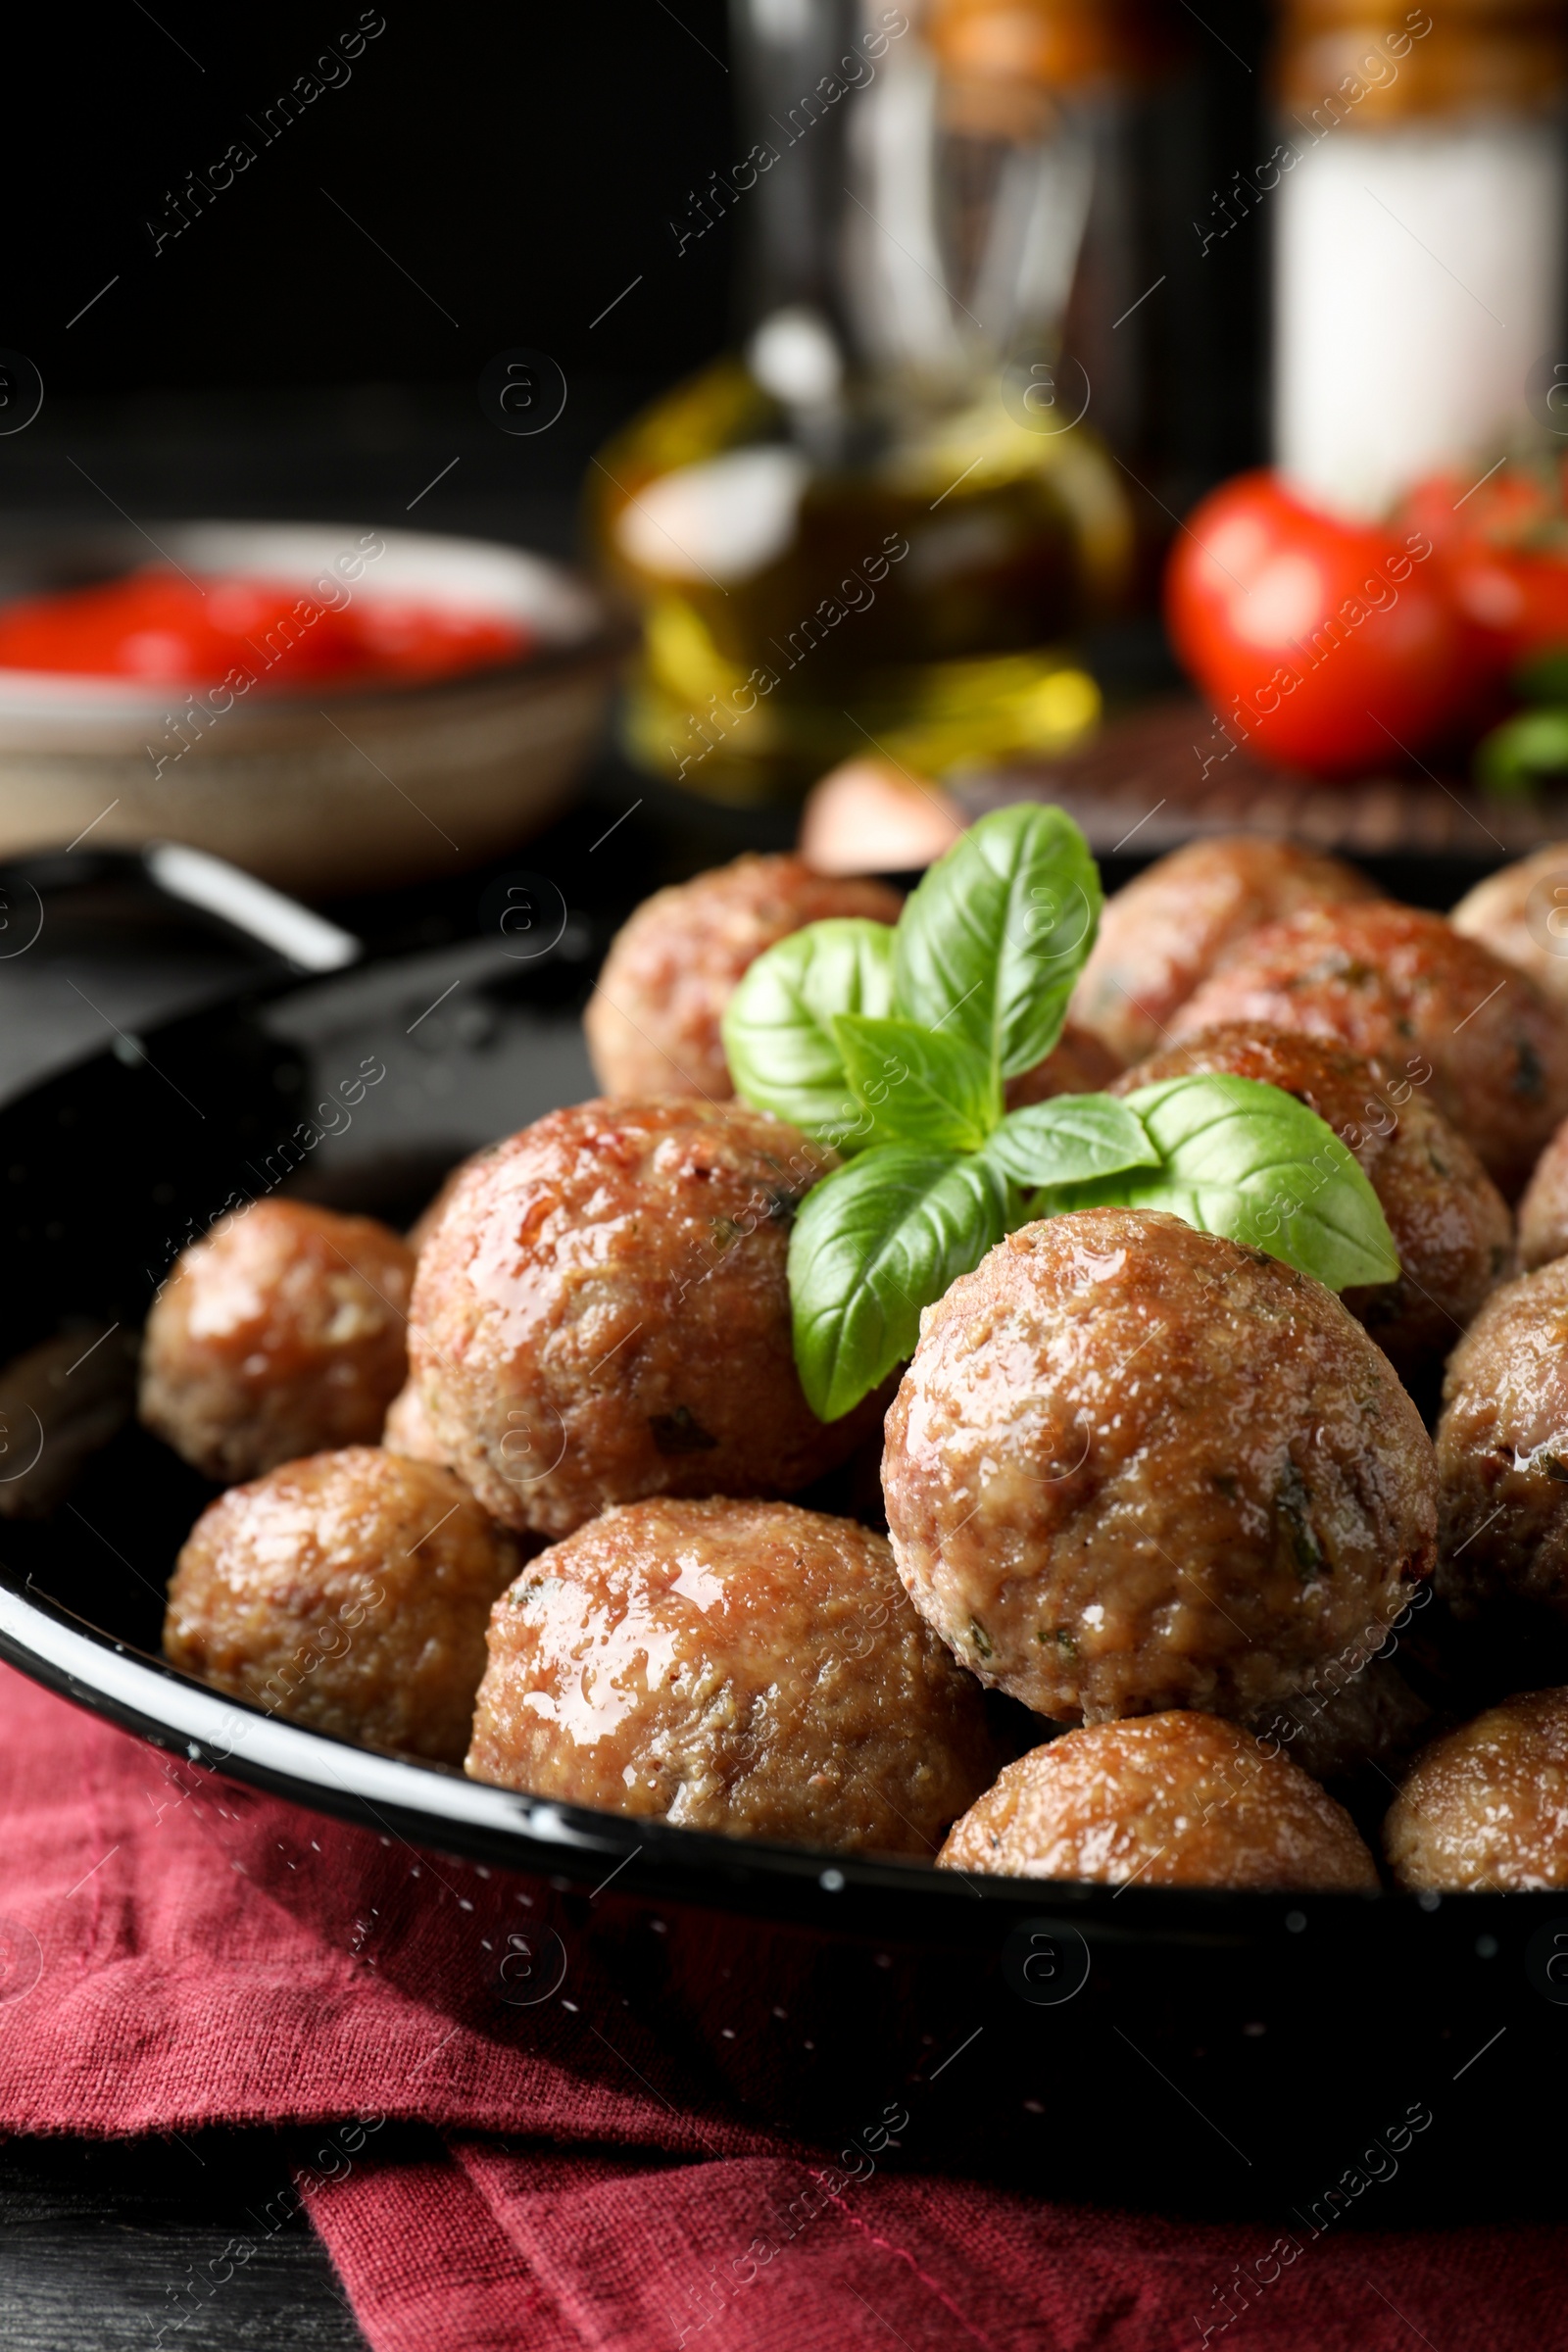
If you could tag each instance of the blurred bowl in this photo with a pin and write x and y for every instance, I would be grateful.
(334, 790)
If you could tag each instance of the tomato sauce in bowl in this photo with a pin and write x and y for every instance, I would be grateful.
(165, 627)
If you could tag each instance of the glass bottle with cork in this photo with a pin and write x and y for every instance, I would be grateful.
(885, 520)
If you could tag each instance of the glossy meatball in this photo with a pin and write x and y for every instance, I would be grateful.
(653, 1021)
(1522, 915)
(435, 1209)
(745, 1667)
(282, 1332)
(408, 1431)
(1406, 989)
(1344, 1725)
(1163, 934)
(1451, 1224)
(1503, 1450)
(1486, 1808)
(1078, 1064)
(603, 1314)
(1544, 1211)
(1132, 1466)
(1169, 1801)
(349, 1592)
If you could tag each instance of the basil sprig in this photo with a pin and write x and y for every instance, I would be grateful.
(1245, 1159)
(779, 1027)
(991, 943)
(873, 1244)
(895, 1046)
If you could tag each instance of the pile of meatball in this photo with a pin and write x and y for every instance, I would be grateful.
(1147, 1567)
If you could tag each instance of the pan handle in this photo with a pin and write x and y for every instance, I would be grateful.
(198, 880)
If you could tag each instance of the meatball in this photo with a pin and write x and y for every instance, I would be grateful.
(282, 1332)
(1544, 1211)
(1450, 1223)
(435, 1209)
(349, 1592)
(1078, 1064)
(1134, 1466)
(1406, 989)
(1342, 1726)
(1486, 1808)
(1502, 1451)
(653, 1022)
(1175, 1800)
(1522, 915)
(1162, 936)
(744, 1667)
(603, 1314)
(408, 1431)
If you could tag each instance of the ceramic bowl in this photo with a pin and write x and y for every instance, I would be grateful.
(321, 793)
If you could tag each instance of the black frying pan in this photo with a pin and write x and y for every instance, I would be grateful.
(1151, 2042)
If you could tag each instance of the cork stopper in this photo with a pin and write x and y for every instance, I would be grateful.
(1364, 65)
(1005, 61)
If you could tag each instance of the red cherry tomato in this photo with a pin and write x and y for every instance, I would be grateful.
(1504, 543)
(1330, 645)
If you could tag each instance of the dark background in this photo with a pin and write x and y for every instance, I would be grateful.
(520, 167)
(519, 164)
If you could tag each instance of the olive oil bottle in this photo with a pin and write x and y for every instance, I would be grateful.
(885, 521)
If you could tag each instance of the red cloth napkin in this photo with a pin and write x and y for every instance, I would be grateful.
(159, 1969)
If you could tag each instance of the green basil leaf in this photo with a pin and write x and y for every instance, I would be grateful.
(1071, 1139)
(872, 1244)
(778, 1025)
(1525, 753)
(916, 1085)
(1246, 1161)
(991, 942)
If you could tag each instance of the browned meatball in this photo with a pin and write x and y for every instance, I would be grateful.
(745, 1667)
(430, 1215)
(653, 1021)
(603, 1314)
(1345, 1722)
(1406, 989)
(1451, 1224)
(408, 1431)
(1078, 1064)
(1171, 1800)
(1503, 1450)
(1522, 915)
(1544, 1211)
(1134, 1466)
(282, 1332)
(1162, 936)
(1486, 1808)
(349, 1592)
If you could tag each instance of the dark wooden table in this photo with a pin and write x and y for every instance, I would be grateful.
(1167, 772)
(100, 2242)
